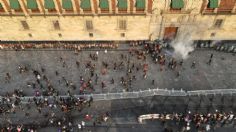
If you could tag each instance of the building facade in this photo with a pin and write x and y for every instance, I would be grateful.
(116, 20)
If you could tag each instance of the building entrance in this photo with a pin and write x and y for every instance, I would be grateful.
(170, 33)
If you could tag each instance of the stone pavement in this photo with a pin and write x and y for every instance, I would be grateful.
(220, 75)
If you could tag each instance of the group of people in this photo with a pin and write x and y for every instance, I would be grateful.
(62, 124)
(46, 95)
(44, 87)
(194, 121)
(70, 46)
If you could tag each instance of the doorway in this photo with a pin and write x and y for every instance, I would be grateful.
(170, 33)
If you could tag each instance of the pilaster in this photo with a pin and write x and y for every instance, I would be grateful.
(5, 6)
(23, 7)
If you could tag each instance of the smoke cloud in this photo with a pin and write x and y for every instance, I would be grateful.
(182, 45)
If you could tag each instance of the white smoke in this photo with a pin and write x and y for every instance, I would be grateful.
(182, 45)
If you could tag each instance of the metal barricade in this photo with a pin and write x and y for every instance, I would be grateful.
(136, 94)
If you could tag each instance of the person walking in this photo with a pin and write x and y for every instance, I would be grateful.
(210, 60)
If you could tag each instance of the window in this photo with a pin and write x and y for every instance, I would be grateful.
(104, 4)
(213, 34)
(89, 25)
(177, 4)
(122, 35)
(85, 4)
(67, 4)
(218, 23)
(25, 25)
(14, 4)
(30, 35)
(212, 4)
(90, 35)
(32, 4)
(122, 24)
(122, 4)
(140, 4)
(49, 4)
(56, 25)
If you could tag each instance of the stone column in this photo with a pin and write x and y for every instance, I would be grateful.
(74, 6)
(110, 6)
(234, 9)
(162, 28)
(98, 8)
(185, 5)
(45, 10)
(116, 2)
(57, 7)
(128, 6)
(5, 6)
(134, 7)
(63, 11)
(80, 9)
(92, 7)
(146, 6)
(23, 7)
(40, 6)
(11, 10)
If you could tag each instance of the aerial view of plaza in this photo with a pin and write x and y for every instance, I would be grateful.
(117, 65)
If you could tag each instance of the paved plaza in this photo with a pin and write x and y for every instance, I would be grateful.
(221, 74)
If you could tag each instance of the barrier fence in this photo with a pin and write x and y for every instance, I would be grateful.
(135, 94)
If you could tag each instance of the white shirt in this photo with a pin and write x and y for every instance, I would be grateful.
(208, 127)
(38, 77)
(83, 123)
(79, 126)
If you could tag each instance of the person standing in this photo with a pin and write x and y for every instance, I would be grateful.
(210, 60)
(193, 64)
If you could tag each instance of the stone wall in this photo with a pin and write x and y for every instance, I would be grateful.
(73, 28)
(190, 20)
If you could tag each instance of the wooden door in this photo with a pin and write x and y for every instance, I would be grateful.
(170, 33)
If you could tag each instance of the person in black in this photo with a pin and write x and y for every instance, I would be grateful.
(210, 60)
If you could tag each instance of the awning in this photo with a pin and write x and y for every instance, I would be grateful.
(104, 4)
(49, 4)
(32, 4)
(67, 4)
(14, 4)
(140, 4)
(122, 4)
(213, 3)
(177, 4)
(85, 4)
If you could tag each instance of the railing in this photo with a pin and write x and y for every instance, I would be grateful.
(136, 94)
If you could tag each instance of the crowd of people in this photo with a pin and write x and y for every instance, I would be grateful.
(46, 95)
(194, 121)
(43, 86)
(70, 46)
(183, 122)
